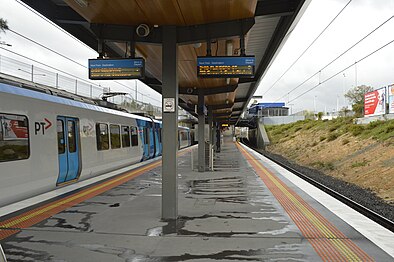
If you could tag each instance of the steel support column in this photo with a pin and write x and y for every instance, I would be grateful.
(218, 138)
(201, 133)
(169, 207)
(213, 134)
(210, 122)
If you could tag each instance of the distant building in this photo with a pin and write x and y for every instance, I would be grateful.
(268, 110)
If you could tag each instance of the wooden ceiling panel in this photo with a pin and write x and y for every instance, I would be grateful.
(210, 11)
(162, 12)
(175, 12)
(153, 56)
(110, 12)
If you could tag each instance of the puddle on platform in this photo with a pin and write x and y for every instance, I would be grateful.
(196, 228)
(225, 189)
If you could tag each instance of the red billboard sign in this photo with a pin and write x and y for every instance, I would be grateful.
(375, 102)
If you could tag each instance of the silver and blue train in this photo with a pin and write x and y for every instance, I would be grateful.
(47, 141)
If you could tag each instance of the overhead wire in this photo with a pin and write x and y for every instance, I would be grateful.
(45, 47)
(49, 21)
(58, 27)
(335, 59)
(334, 75)
(72, 60)
(310, 45)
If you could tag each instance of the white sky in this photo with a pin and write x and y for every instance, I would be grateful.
(358, 19)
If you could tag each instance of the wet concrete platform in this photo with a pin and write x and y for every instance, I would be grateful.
(225, 215)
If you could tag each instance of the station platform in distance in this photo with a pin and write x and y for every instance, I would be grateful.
(248, 209)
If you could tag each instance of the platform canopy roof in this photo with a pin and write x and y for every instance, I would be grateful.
(266, 25)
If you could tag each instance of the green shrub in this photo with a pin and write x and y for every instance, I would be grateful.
(389, 128)
(359, 164)
(298, 128)
(322, 138)
(333, 128)
(322, 165)
(345, 141)
(329, 166)
(374, 124)
(332, 137)
(357, 130)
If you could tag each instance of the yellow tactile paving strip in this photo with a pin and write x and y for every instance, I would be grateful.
(327, 240)
(15, 224)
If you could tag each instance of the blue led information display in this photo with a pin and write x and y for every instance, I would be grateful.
(124, 68)
(225, 66)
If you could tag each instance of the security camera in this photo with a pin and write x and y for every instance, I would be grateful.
(189, 90)
(142, 30)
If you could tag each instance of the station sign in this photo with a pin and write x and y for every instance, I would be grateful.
(226, 66)
(123, 68)
(375, 102)
(168, 105)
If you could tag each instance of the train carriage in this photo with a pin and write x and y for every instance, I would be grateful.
(48, 141)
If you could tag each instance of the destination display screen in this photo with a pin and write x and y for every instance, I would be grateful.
(108, 69)
(226, 66)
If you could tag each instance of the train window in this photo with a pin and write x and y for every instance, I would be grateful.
(184, 135)
(60, 137)
(146, 136)
(14, 137)
(125, 136)
(72, 141)
(115, 136)
(102, 136)
(134, 136)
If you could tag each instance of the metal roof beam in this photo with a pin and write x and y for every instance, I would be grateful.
(218, 90)
(274, 8)
(241, 100)
(247, 80)
(222, 106)
(55, 12)
(185, 34)
(208, 91)
(151, 81)
(197, 33)
(280, 32)
(221, 114)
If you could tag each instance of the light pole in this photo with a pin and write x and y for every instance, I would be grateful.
(355, 78)
(343, 90)
(142, 95)
(291, 108)
(136, 90)
(314, 104)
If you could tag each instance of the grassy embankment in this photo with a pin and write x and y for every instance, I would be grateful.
(359, 154)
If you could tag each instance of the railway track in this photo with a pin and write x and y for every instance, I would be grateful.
(381, 220)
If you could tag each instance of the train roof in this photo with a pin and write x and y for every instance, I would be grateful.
(11, 89)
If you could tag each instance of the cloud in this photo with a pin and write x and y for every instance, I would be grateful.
(358, 19)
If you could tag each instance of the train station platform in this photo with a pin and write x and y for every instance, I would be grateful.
(247, 209)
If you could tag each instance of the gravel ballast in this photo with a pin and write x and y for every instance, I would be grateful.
(360, 195)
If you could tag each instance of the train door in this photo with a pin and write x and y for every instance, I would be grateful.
(152, 142)
(146, 140)
(68, 148)
(158, 139)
